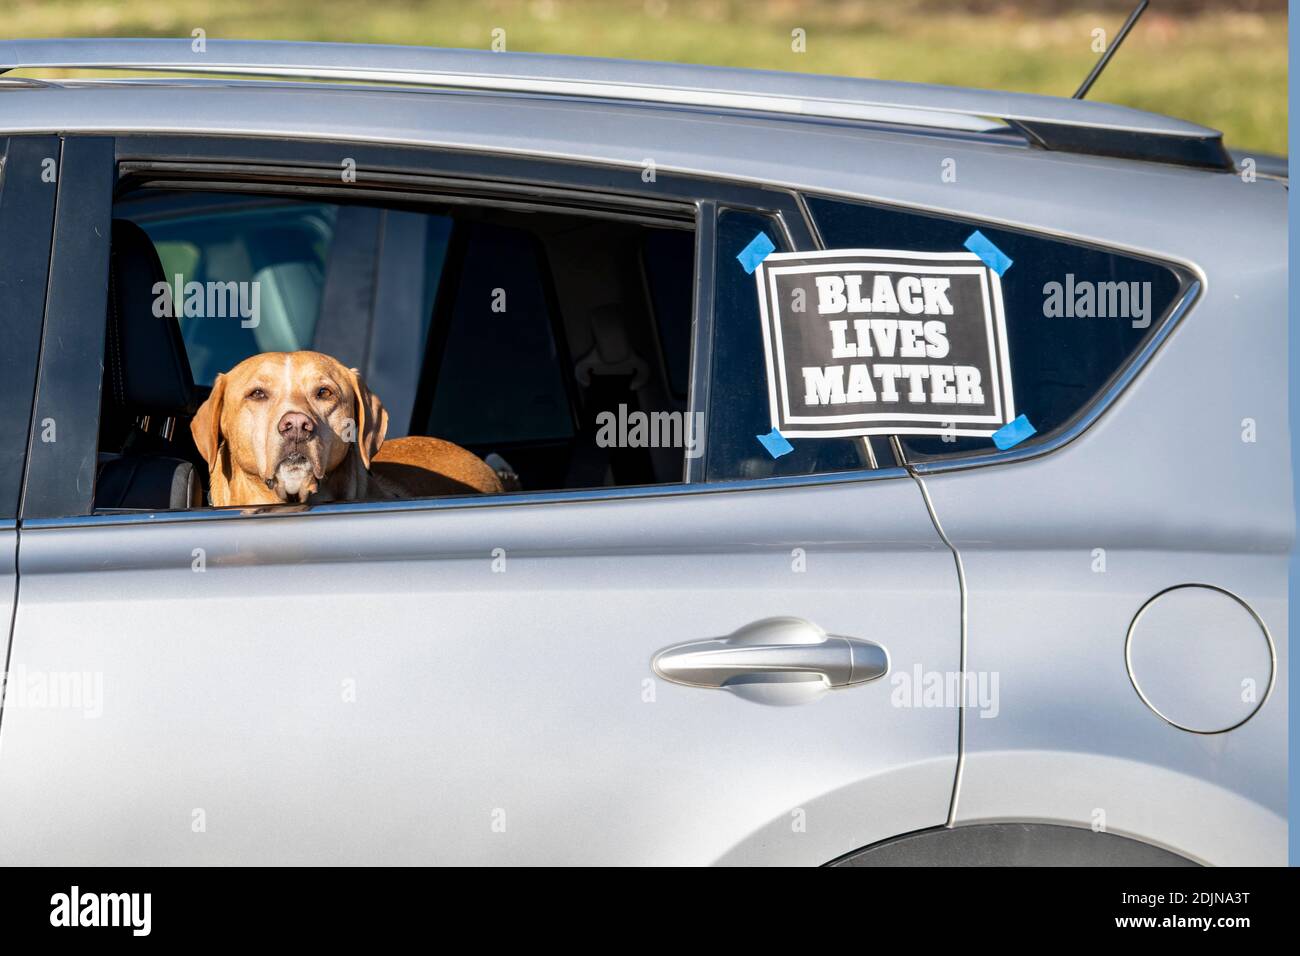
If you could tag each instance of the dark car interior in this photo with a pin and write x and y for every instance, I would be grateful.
(503, 330)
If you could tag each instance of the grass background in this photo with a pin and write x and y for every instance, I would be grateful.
(1223, 64)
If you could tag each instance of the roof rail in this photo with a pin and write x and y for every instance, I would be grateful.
(1049, 122)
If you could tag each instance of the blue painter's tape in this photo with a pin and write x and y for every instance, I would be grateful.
(993, 257)
(1013, 433)
(759, 248)
(775, 443)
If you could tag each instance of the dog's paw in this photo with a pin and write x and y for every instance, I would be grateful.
(509, 477)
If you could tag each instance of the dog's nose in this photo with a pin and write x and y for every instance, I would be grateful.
(295, 426)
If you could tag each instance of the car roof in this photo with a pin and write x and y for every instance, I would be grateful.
(686, 84)
(1073, 125)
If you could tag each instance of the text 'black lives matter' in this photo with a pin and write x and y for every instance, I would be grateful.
(881, 342)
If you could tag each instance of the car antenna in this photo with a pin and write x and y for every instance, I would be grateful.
(1082, 91)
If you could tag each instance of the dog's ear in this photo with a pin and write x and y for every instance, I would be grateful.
(206, 426)
(372, 418)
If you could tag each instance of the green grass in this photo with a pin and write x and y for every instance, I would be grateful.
(1224, 69)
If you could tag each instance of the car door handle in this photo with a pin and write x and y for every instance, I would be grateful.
(771, 650)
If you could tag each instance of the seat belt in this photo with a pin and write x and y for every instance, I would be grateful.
(612, 374)
(590, 461)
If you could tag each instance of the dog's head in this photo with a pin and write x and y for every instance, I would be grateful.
(287, 421)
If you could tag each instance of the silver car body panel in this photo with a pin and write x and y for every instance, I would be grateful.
(1162, 481)
(523, 696)
(1165, 484)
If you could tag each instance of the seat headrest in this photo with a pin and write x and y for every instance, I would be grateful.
(146, 370)
(611, 354)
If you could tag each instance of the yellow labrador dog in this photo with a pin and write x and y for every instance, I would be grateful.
(302, 427)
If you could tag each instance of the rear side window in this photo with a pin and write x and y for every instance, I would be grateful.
(738, 405)
(1075, 315)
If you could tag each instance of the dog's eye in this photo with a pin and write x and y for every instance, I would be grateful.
(324, 392)
(257, 394)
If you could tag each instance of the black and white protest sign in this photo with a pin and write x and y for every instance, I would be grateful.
(879, 341)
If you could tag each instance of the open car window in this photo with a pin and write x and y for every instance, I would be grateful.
(554, 343)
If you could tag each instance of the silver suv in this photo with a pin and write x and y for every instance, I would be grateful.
(998, 577)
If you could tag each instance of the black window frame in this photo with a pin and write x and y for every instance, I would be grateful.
(27, 203)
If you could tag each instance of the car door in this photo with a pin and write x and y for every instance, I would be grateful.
(29, 167)
(490, 680)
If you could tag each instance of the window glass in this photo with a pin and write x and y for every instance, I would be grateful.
(562, 343)
(278, 248)
(1075, 315)
(738, 399)
(500, 379)
(437, 239)
(668, 255)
